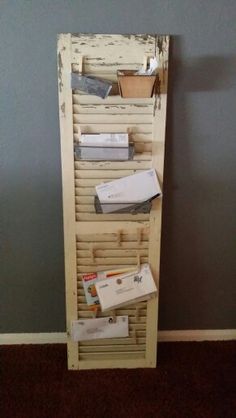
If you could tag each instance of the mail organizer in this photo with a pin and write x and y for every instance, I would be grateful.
(104, 153)
(142, 207)
(99, 242)
(132, 85)
(131, 194)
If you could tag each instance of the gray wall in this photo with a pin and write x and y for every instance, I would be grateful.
(198, 246)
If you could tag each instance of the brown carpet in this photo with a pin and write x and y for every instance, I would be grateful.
(191, 380)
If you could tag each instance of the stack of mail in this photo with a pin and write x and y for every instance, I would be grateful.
(90, 279)
(126, 289)
(102, 147)
(123, 194)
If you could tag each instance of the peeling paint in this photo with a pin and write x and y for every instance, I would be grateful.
(60, 67)
(160, 44)
(63, 108)
(157, 104)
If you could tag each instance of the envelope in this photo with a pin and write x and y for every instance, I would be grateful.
(95, 328)
(104, 140)
(90, 279)
(126, 289)
(130, 189)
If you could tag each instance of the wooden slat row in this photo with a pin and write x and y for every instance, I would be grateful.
(85, 99)
(113, 246)
(89, 217)
(81, 254)
(95, 128)
(108, 238)
(140, 335)
(109, 261)
(102, 175)
(107, 118)
(113, 109)
(119, 355)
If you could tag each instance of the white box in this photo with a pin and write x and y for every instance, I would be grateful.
(131, 189)
(123, 290)
(93, 329)
(104, 140)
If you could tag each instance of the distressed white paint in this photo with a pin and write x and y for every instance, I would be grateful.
(115, 238)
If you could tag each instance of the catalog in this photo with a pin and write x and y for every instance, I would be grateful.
(123, 290)
(92, 329)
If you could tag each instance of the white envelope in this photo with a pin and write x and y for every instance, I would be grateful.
(123, 290)
(104, 140)
(95, 328)
(131, 189)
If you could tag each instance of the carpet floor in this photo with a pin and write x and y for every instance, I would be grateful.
(192, 380)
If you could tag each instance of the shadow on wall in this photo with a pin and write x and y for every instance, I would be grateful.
(208, 73)
(191, 271)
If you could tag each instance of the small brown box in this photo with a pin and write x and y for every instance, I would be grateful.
(136, 86)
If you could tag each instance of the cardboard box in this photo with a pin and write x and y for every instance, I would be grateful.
(137, 86)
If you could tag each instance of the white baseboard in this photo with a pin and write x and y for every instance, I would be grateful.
(35, 338)
(197, 335)
(163, 336)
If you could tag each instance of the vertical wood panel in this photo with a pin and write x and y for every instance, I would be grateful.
(159, 126)
(68, 188)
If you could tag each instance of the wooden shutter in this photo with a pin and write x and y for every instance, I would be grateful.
(93, 241)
